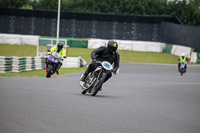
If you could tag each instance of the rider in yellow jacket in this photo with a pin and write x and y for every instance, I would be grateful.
(59, 48)
(184, 59)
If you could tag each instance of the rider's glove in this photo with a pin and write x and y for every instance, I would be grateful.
(114, 71)
(49, 53)
(94, 60)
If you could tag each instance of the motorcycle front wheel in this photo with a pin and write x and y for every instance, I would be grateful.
(181, 71)
(99, 84)
(49, 70)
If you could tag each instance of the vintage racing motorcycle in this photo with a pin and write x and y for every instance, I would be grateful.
(94, 80)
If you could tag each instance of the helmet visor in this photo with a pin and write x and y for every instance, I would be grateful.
(113, 49)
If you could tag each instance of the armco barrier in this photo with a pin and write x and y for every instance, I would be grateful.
(19, 39)
(20, 64)
(198, 57)
(129, 45)
(73, 62)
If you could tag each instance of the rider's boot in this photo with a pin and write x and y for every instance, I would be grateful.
(83, 77)
(57, 72)
(100, 88)
(47, 63)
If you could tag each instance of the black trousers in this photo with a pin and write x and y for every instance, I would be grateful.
(93, 66)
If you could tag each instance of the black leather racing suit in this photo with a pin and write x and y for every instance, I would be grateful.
(103, 54)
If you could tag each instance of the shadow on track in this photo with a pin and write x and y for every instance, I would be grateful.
(99, 96)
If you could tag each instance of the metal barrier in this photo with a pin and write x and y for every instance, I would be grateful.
(20, 64)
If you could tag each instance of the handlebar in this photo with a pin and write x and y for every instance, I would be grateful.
(113, 72)
(98, 62)
(183, 61)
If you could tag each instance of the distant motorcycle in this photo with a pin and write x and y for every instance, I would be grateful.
(53, 63)
(182, 67)
(94, 80)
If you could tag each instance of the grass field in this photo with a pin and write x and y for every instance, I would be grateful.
(17, 50)
(42, 73)
(125, 56)
(129, 56)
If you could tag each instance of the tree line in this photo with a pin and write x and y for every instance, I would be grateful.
(188, 11)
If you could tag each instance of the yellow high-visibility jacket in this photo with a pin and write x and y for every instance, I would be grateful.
(183, 59)
(62, 51)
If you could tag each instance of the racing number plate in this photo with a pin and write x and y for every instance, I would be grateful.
(106, 65)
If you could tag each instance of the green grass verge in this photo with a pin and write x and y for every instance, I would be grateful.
(129, 56)
(147, 57)
(17, 50)
(125, 56)
(42, 73)
(83, 52)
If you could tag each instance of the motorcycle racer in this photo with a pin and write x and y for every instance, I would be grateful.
(104, 54)
(182, 58)
(59, 48)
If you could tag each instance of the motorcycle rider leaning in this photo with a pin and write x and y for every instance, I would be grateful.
(104, 54)
(182, 58)
(59, 48)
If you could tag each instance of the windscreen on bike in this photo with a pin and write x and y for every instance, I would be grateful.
(182, 65)
(55, 57)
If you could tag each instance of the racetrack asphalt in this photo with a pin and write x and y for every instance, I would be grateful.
(142, 98)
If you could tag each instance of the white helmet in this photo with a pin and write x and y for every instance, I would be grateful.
(182, 54)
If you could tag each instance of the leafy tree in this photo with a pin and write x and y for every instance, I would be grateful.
(45, 4)
(34, 4)
(67, 5)
(187, 12)
(13, 3)
(196, 3)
